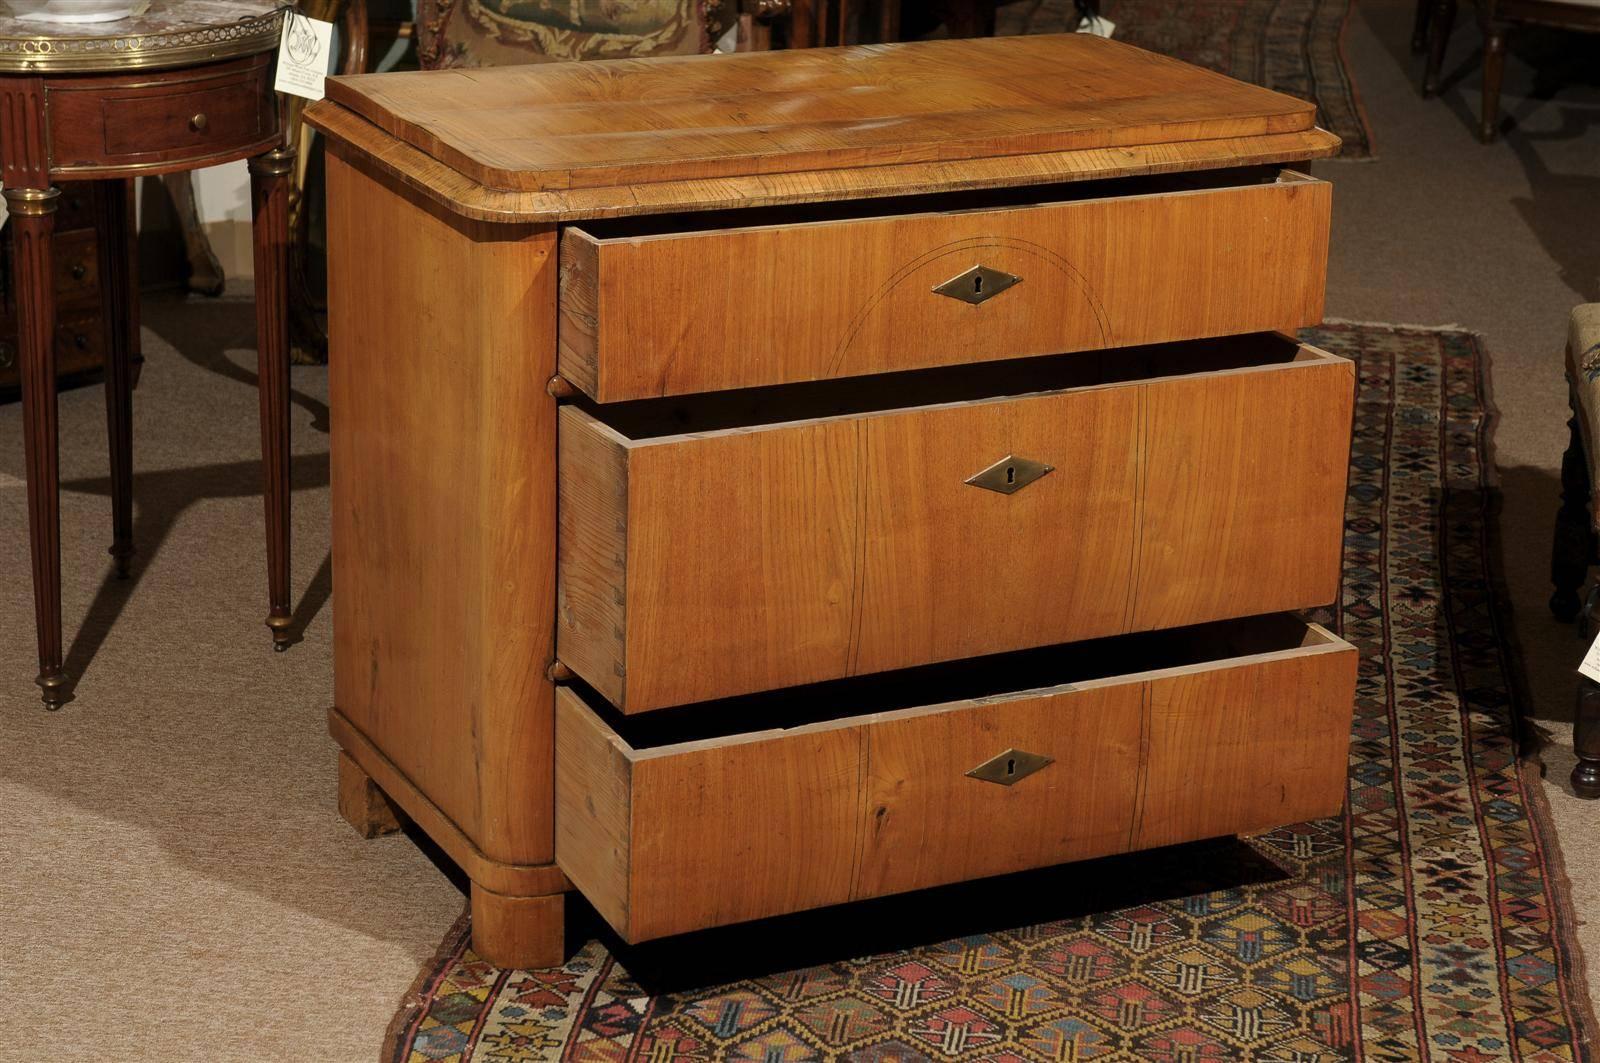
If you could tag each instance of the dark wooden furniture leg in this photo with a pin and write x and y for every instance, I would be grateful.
(112, 222)
(1419, 29)
(33, 221)
(269, 185)
(1574, 548)
(1586, 740)
(1443, 21)
(1494, 65)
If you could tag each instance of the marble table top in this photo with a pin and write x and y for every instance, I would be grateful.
(166, 33)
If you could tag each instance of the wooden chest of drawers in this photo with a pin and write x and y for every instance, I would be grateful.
(765, 482)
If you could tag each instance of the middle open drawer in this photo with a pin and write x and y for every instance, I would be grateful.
(748, 541)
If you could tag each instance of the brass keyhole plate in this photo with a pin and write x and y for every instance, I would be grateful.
(977, 285)
(1010, 474)
(1010, 767)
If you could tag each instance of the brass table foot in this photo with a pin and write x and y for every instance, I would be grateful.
(54, 690)
(279, 624)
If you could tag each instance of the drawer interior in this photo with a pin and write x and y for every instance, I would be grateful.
(648, 419)
(671, 224)
(996, 677)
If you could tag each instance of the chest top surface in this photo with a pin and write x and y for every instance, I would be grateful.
(573, 128)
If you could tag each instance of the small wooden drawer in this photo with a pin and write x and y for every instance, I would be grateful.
(80, 347)
(746, 541)
(1150, 739)
(648, 309)
(103, 125)
(77, 269)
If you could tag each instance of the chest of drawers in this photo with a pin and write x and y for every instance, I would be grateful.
(764, 482)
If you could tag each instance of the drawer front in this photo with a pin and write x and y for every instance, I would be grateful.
(77, 269)
(718, 563)
(680, 837)
(80, 347)
(702, 311)
(213, 113)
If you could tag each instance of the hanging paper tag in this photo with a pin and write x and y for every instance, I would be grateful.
(303, 55)
(1098, 25)
(1591, 661)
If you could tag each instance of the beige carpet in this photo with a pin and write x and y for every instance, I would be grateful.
(174, 881)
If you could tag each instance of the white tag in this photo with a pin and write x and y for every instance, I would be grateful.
(1591, 661)
(303, 55)
(1098, 25)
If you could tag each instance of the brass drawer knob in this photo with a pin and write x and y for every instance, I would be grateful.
(198, 123)
(78, 271)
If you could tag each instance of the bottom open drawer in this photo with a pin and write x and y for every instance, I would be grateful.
(775, 803)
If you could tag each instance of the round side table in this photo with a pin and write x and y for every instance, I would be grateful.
(186, 84)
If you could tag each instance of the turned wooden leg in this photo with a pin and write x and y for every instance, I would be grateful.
(33, 221)
(1494, 66)
(1586, 740)
(1419, 29)
(112, 225)
(1574, 547)
(269, 184)
(1443, 21)
(519, 932)
(364, 806)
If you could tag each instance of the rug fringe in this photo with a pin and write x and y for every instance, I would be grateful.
(415, 1000)
(1401, 326)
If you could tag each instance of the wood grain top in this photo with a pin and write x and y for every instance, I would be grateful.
(569, 126)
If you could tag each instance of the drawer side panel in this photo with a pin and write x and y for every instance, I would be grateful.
(591, 552)
(593, 817)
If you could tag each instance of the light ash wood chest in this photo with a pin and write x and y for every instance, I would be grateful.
(764, 482)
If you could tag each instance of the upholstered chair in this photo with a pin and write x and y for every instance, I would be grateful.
(1575, 539)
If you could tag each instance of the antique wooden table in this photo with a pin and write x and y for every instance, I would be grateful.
(767, 481)
(187, 84)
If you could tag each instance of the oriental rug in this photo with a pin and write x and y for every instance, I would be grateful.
(1431, 921)
(1293, 46)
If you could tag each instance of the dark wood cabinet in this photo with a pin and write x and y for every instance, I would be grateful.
(80, 336)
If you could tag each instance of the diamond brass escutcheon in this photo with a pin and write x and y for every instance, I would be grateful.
(978, 285)
(1010, 767)
(1010, 474)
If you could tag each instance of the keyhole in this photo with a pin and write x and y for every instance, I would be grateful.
(1011, 765)
(1011, 474)
(977, 284)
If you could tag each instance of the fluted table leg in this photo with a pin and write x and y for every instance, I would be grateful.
(269, 183)
(112, 222)
(33, 221)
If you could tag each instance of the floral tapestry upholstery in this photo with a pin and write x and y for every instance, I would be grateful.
(456, 33)
(1583, 369)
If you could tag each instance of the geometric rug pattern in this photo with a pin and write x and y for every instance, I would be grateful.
(1430, 921)
(1291, 46)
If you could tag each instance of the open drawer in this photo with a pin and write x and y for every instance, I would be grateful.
(678, 821)
(746, 541)
(653, 307)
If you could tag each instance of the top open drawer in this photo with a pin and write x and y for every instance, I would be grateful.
(650, 308)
